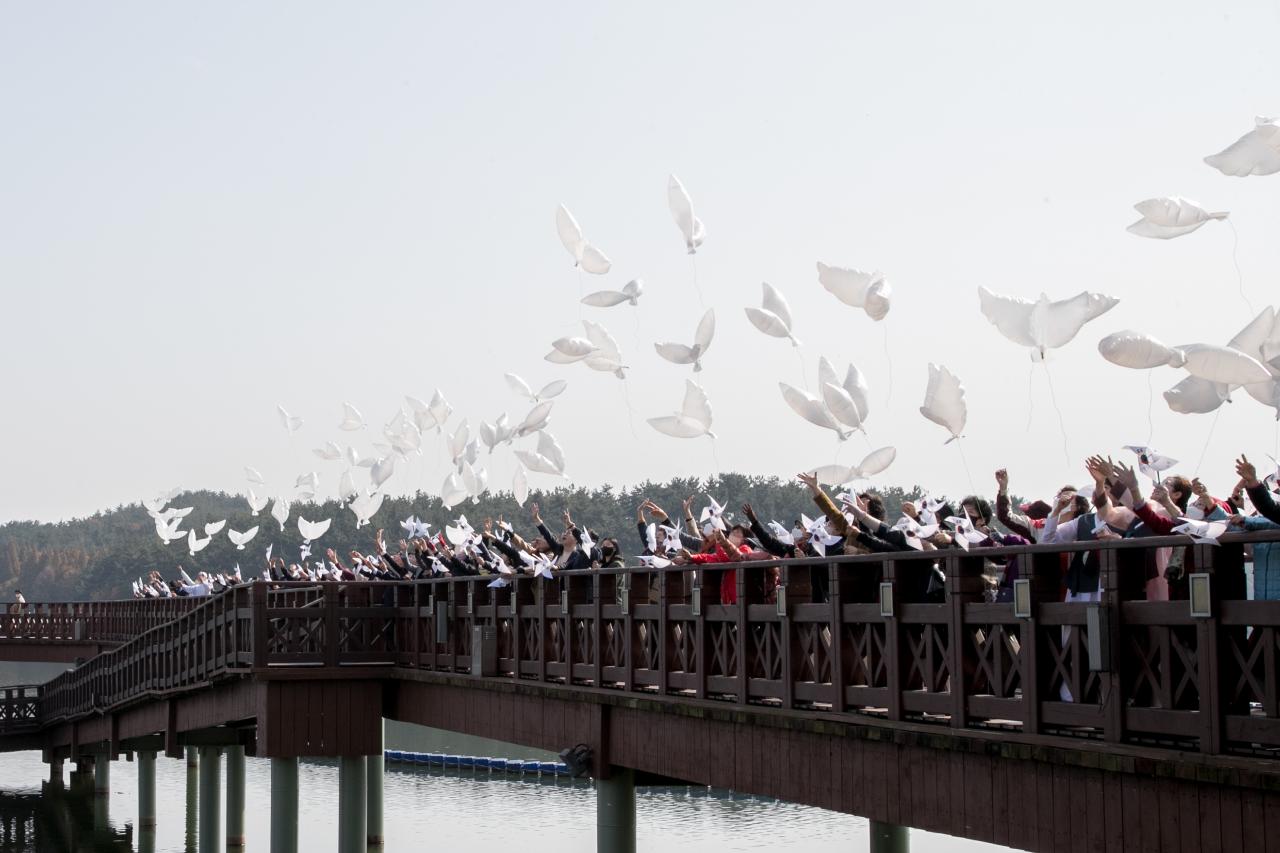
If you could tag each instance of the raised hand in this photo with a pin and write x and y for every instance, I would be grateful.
(810, 480)
(535, 513)
(749, 512)
(1247, 471)
(1002, 480)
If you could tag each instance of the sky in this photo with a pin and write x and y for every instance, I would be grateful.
(209, 210)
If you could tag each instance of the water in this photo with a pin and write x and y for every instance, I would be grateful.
(425, 808)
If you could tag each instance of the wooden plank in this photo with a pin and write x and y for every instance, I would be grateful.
(1210, 818)
(1231, 819)
(1271, 816)
(978, 810)
(1149, 812)
(1253, 824)
(1064, 818)
(1113, 812)
(1170, 818)
(1095, 813)
(1188, 814)
(1044, 806)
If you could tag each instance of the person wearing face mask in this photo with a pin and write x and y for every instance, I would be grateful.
(726, 548)
(610, 556)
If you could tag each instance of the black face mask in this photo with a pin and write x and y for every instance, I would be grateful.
(607, 552)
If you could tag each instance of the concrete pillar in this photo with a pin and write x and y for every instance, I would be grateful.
(284, 805)
(193, 798)
(102, 774)
(55, 772)
(352, 803)
(616, 812)
(888, 837)
(235, 796)
(210, 799)
(147, 791)
(374, 768)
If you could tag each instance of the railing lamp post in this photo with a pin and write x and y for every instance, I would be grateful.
(886, 599)
(1201, 597)
(1022, 598)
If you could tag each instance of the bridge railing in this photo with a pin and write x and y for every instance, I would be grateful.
(19, 709)
(901, 637)
(106, 622)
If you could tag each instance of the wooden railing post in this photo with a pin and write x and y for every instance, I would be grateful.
(258, 624)
(1111, 693)
(964, 586)
(331, 625)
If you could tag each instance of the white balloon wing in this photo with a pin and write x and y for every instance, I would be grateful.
(944, 401)
(693, 419)
(1196, 396)
(241, 539)
(811, 409)
(1169, 217)
(256, 504)
(280, 511)
(682, 212)
(1255, 153)
(1137, 351)
(605, 298)
(313, 530)
(214, 527)
(569, 232)
(520, 486)
(866, 290)
(351, 418)
(291, 423)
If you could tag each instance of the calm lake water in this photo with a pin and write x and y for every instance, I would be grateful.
(428, 808)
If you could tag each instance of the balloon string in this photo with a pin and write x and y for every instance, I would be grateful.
(804, 374)
(1208, 439)
(631, 415)
(1062, 424)
(581, 288)
(693, 261)
(1235, 245)
(1151, 402)
(888, 357)
(715, 457)
(964, 461)
(1031, 400)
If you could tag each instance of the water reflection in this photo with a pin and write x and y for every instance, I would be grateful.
(55, 820)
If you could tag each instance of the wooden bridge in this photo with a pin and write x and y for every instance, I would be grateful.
(1121, 725)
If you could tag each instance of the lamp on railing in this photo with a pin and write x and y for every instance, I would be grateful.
(886, 599)
(622, 592)
(1200, 596)
(696, 592)
(1022, 598)
(782, 599)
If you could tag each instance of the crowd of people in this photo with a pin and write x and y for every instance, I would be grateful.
(1113, 504)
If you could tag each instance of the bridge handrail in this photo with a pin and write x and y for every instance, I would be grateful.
(874, 648)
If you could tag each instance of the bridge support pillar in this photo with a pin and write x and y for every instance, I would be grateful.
(616, 811)
(235, 796)
(102, 774)
(284, 805)
(352, 804)
(146, 791)
(209, 819)
(193, 795)
(374, 769)
(55, 772)
(888, 837)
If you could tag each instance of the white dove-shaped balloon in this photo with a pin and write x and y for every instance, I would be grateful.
(169, 532)
(1138, 351)
(682, 354)
(351, 418)
(570, 349)
(1169, 217)
(585, 256)
(214, 527)
(873, 463)
(256, 504)
(682, 212)
(869, 291)
(605, 356)
(849, 401)
(811, 409)
(944, 401)
(608, 298)
(313, 530)
(194, 545)
(458, 440)
(309, 481)
(520, 486)
(1255, 153)
(252, 475)
(452, 492)
(346, 486)
(548, 391)
(537, 418)
(291, 423)
(774, 316)
(538, 462)
(1044, 324)
(382, 470)
(694, 418)
(280, 511)
(241, 539)
(330, 452)
(364, 507)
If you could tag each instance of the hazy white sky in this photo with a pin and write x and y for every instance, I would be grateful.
(209, 209)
